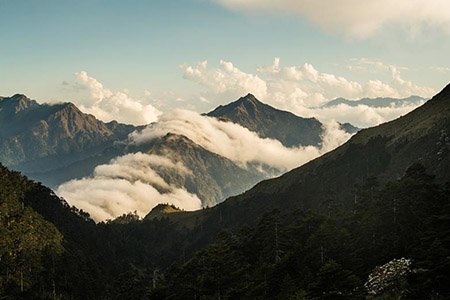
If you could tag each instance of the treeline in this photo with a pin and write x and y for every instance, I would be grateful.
(49, 250)
(329, 256)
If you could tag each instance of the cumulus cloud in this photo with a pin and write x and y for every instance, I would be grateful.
(356, 18)
(236, 142)
(107, 105)
(226, 79)
(331, 86)
(127, 183)
(302, 88)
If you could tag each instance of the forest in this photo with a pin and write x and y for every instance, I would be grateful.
(394, 243)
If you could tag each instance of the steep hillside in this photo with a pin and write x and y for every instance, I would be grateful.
(385, 151)
(48, 248)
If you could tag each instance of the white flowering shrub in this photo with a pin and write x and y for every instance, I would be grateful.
(388, 277)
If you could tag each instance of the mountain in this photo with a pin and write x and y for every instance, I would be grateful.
(378, 102)
(41, 137)
(384, 151)
(347, 127)
(213, 178)
(316, 232)
(50, 250)
(268, 122)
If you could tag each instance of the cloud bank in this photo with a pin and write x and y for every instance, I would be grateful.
(127, 183)
(132, 182)
(237, 143)
(107, 105)
(301, 89)
(356, 18)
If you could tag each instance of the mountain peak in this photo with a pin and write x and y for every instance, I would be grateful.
(17, 104)
(161, 210)
(31, 134)
(19, 97)
(249, 97)
(269, 122)
(70, 108)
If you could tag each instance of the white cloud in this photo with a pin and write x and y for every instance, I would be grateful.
(361, 115)
(236, 142)
(108, 106)
(302, 88)
(226, 79)
(357, 18)
(127, 183)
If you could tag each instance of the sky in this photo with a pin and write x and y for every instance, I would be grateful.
(135, 60)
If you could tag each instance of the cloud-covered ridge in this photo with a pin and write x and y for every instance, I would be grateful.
(133, 183)
(127, 183)
(236, 142)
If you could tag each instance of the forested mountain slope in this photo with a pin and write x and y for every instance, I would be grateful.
(385, 151)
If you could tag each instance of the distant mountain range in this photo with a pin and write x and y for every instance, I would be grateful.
(56, 143)
(378, 102)
(42, 137)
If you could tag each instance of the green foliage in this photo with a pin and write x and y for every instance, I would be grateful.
(312, 256)
(48, 248)
(29, 245)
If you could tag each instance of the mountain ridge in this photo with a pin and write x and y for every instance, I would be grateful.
(398, 143)
(376, 102)
(31, 134)
(269, 122)
(384, 151)
(213, 178)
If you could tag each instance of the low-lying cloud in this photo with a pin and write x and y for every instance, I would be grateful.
(132, 182)
(127, 183)
(362, 116)
(237, 143)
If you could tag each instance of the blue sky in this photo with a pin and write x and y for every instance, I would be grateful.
(138, 45)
